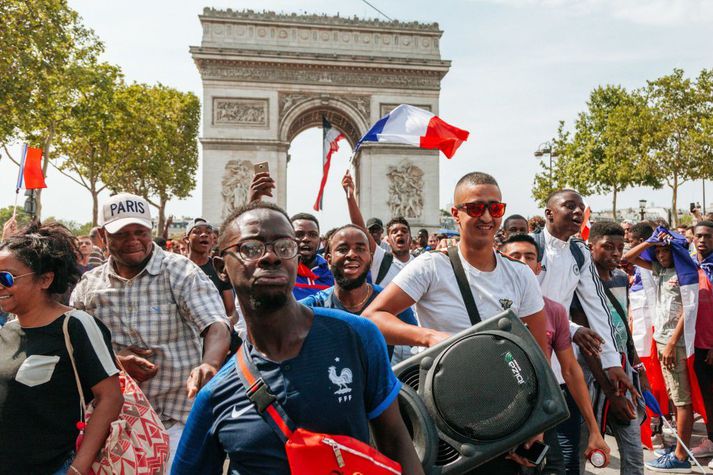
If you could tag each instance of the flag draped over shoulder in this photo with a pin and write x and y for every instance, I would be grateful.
(688, 275)
(330, 139)
(410, 125)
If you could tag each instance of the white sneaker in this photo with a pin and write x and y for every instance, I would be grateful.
(704, 449)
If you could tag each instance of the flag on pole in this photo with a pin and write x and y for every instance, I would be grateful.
(586, 224)
(30, 169)
(413, 126)
(330, 139)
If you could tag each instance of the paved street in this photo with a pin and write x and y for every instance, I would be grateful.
(613, 468)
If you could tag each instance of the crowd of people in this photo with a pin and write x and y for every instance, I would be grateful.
(323, 315)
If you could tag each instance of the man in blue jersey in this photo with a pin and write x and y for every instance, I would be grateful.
(304, 355)
(313, 272)
(349, 260)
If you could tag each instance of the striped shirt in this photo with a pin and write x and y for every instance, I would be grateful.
(164, 308)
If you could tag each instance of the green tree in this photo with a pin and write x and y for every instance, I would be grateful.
(42, 42)
(608, 152)
(159, 128)
(21, 217)
(87, 142)
(552, 177)
(682, 111)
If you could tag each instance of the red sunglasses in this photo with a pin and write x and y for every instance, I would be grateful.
(476, 210)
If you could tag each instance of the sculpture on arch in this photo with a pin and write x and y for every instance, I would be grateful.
(235, 184)
(405, 190)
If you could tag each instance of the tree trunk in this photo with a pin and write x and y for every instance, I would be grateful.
(45, 164)
(674, 201)
(161, 215)
(613, 204)
(95, 205)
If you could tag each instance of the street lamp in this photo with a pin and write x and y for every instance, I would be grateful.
(642, 208)
(546, 148)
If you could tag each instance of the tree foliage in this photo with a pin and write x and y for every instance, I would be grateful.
(88, 141)
(43, 44)
(159, 130)
(682, 111)
(661, 133)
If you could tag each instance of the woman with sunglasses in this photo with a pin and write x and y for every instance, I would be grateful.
(39, 400)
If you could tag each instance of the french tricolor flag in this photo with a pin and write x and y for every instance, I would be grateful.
(689, 278)
(413, 126)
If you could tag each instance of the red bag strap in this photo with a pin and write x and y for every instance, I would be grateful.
(260, 396)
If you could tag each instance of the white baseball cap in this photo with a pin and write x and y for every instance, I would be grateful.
(123, 209)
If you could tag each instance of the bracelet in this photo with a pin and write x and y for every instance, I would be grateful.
(74, 469)
(640, 367)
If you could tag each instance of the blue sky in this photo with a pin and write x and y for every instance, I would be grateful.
(518, 67)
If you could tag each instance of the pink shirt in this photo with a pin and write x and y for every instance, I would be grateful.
(558, 338)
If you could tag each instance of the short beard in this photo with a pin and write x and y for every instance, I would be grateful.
(348, 284)
(267, 303)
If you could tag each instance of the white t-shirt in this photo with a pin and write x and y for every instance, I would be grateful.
(396, 266)
(430, 281)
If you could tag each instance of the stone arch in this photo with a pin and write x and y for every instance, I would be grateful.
(269, 76)
(308, 113)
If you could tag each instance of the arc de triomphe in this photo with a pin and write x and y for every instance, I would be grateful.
(267, 77)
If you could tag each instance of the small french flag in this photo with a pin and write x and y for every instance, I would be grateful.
(413, 126)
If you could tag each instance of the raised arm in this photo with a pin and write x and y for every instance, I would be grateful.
(262, 185)
(354, 212)
(633, 254)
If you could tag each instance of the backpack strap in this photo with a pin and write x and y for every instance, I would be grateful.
(630, 349)
(259, 394)
(539, 238)
(463, 285)
(384, 267)
(577, 252)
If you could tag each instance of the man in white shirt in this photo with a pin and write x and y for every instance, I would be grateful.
(561, 278)
(497, 283)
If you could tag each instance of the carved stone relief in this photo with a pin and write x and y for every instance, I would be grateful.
(386, 108)
(405, 190)
(401, 79)
(235, 184)
(229, 111)
(288, 100)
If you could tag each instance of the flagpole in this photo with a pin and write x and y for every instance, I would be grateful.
(19, 179)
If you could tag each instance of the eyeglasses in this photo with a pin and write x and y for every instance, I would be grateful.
(7, 280)
(254, 249)
(477, 209)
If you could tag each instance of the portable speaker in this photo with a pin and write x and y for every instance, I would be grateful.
(488, 389)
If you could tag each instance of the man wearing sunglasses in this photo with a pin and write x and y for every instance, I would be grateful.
(497, 283)
(327, 369)
(158, 306)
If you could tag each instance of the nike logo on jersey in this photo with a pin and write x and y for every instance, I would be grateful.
(236, 414)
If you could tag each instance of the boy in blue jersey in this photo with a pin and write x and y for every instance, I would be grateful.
(349, 260)
(304, 355)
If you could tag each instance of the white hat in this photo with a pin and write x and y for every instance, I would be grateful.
(197, 222)
(123, 209)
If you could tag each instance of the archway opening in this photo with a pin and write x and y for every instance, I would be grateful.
(304, 174)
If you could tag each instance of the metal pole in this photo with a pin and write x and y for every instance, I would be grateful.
(704, 196)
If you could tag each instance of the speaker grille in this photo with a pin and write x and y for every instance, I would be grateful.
(499, 379)
(446, 453)
(410, 377)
